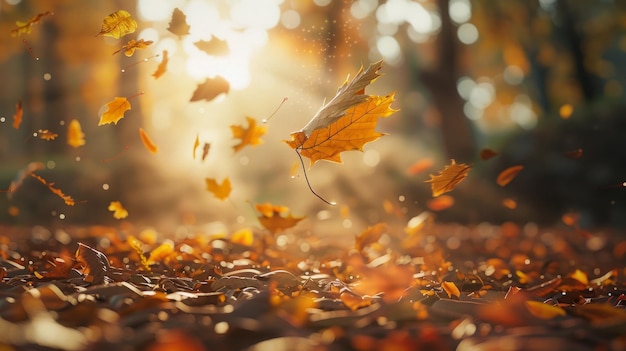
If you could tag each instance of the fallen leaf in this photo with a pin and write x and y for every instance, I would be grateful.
(440, 203)
(119, 212)
(178, 24)
(448, 178)
(25, 27)
(115, 111)
(75, 135)
(276, 218)
(162, 67)
(420, 166)
(451, 289)
(96, 264)
(249, 136)
(132, 45)
(506, 176)
(486, 154)
(118, 24)
(147, 142)
(221, 191)
(46, 134)
(17, 116)
(543, 310)
(210, 89)
(214, 47)
(347, 122)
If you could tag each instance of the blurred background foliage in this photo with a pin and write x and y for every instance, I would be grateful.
(530, 79)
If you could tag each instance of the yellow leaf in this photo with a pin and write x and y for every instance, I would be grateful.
(580, 276)
(130, 47)
(119, 212)
(544, 311)
(448, 178)
(272, 219)
(451, 289)
(17, 117)
(160, 252)
(243, 237)
(75, 135)
(162, 66)
(221, 191)
(249, 136)
(136, 245)
(24, 27)
(196, 143)
(506, 176)
(147, 142)
(118, 24)
(115, 111)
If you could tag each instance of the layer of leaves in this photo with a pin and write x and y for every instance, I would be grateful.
(118, 24)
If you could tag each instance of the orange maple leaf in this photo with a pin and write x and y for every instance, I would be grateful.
(24, 27)
(147, 142)
(506, 176)
(119, 212)
(272, 217)
(221, 191)
(249, 136)
(75, 135)
(346, 122)
(115, 111)
(17, 117)
(46, 134)
(448, 178)
(162, 66)
(118, 24)
(132, 45)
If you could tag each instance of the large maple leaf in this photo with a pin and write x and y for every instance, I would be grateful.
(347, 122)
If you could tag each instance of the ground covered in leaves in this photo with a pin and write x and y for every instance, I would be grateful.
(420, 287)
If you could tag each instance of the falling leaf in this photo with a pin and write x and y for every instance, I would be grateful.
(147, 142)
(96, 264)
(66, 198)
(196, 143)
(24, 27)
(205, 150)
(115, 111)
(451, 289)
(347, 122)
(221, 191)
(506, 176)
(420, 166)
(249, 136)
(162, 66)
(210, 89)
(370, 236)
(448, 178)
(574, 154)
(215, 47)
(46, 134)
(178, 24)
(276, 218)
(132, 45)
(17, 117)
(119, 212)
(509, 203)
(440, 203)
(75, 135)
(118, 24)
(486, 154)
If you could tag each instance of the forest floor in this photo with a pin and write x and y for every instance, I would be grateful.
(427, 287)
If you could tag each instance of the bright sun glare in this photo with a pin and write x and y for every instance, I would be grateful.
(242, 24)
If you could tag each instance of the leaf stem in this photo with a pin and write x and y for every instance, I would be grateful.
(265, 120)
(309, 184)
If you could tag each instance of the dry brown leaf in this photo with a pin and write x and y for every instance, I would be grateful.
(96, 264)
(17, 116)
(448, 178)
(487, 153)
(178, 24)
